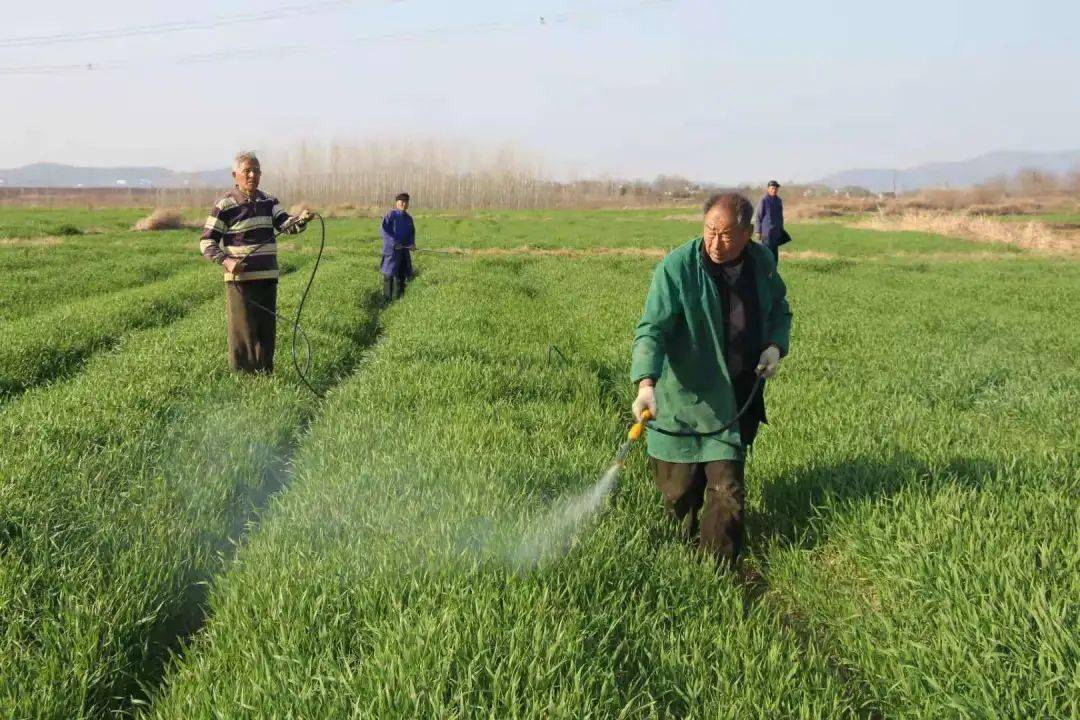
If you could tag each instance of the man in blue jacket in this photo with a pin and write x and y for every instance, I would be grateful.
(399, 237)
(769, 219)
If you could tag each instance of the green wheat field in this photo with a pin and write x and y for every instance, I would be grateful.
(178, 542)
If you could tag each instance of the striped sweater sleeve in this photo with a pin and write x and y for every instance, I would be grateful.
(281, 219)
(213, 233)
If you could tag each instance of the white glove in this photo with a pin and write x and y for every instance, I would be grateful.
(646, 400)
(769, 362)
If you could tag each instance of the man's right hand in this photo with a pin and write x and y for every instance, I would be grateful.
(646, 399)
(232, 264)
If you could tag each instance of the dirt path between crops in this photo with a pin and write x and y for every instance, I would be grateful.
(659, 253)
(46, 241)
(1036, 236)
(653, 253)
(527, 251)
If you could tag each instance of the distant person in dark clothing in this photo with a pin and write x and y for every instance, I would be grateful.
(399, 237)
(769, 219)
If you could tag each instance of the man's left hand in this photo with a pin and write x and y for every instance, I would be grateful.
(306, 217)
(769, 362)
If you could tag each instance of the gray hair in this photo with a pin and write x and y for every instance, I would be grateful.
(740, 209)
(243, 157)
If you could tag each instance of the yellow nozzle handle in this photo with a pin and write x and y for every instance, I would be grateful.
(639, 427)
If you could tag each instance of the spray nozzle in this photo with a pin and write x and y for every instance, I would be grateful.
(639, 427)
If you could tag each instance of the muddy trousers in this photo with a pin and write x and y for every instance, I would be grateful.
(706, 500)
(250, 328)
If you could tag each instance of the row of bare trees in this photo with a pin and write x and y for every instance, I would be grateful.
(463, 175)
(442, 175)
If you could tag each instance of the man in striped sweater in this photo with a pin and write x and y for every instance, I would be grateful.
(239, 236)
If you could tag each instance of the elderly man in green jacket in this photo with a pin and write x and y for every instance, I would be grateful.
(716, 320)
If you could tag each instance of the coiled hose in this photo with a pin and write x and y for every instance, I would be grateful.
(302, 369)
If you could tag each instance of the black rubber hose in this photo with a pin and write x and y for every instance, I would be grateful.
(298, 331)
(427, 250)
(738, 416)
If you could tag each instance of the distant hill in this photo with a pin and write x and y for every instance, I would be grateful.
(958, 175)
(53, 175)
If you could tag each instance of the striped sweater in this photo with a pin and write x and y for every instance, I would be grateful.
(242, 226)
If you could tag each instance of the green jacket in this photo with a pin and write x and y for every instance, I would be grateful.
(679, 342)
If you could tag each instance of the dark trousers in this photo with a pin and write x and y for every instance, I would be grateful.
(397, 272)
(394, 285)
(706, 499)
(250, 327)
(772, 241)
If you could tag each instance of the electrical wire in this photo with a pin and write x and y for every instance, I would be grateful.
(162, 28)
(278, 51)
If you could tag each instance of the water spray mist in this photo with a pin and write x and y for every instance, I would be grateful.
(554, 531)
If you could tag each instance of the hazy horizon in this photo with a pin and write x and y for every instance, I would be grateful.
(716, 92)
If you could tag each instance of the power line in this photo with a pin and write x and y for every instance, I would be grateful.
(288, 11)
(278, 51)
(46, 69)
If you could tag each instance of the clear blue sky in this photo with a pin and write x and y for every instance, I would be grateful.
(715, 90)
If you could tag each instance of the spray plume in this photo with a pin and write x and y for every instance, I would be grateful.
(554, 532)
